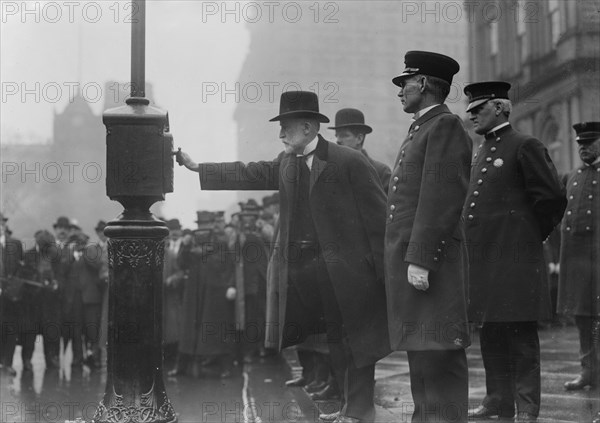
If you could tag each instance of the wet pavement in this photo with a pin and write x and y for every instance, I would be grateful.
(256, 392)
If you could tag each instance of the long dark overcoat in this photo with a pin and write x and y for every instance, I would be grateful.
(208, 323)
(515, 200)
(348, 209)
(425, 199)
(579, 277)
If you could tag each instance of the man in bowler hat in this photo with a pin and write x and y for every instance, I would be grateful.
(351, 131)
(579, 278)
(515, 200)
(331, 245)
(424, 243)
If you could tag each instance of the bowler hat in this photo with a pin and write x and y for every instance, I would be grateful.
(428, 63)
(480, 92)
(62, 222)
(251, 208)
(100, 226)
(269, 200)
(2, 217)
(205, 218)
(173, 224)
(297, 104)
(351, 118)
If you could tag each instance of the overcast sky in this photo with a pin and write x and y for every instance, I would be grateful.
(50, 48)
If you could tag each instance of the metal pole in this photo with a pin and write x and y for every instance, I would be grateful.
(138, 49)
(139, 173)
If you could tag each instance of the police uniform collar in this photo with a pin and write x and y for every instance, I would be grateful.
(422, 112)
(497, 130)
(434, 111)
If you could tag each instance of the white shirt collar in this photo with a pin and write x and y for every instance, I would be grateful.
(423, 111)
(495, 128)
(311, 146)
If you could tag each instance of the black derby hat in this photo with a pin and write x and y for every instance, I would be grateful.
(297, 104)
(351, 118)
(428, 63)
(62, 222)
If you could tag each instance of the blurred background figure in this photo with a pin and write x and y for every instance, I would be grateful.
(103, 275)
(172, 282)
(11, 252)
(252, 244)
(40, 308)
(208, 331)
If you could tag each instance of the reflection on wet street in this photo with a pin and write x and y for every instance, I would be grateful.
(70, 392)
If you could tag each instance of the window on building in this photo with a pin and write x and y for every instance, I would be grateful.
(494, 37)
(494, 46)
(554, 20)
(522, 39)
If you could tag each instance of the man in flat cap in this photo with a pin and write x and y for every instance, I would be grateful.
(331, 244)
(515, 200)
(424, 248)
(351, 131)
(579, 279)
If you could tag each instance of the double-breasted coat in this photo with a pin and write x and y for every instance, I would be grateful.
(579, 277)
(348, 209)
(515, 200)
(425, 199)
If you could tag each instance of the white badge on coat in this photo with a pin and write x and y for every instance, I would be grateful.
(498, 162)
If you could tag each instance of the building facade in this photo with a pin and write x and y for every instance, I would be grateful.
(549, 50)
(347, 52)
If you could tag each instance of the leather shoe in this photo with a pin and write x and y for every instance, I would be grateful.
(327, 393)
(299, 381)
(523, 417)
(483, 412)
(329, 417)
(315, 386)
(578, 383)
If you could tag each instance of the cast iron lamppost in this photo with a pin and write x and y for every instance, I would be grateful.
(139, 169)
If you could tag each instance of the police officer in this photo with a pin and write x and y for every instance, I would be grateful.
(425, 255)
(514, 201)
(579, 281)
(351, 131)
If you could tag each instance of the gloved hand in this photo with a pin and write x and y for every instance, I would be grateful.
(231, 293)
(418, 277)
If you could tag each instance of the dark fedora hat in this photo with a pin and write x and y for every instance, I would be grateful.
(351, 118)
(251, 208)
(480, 92)
(428, 63)
(205, 219)
(3, 217)
(587, 132)
(100, 226)
(173, 224)
(298, 104)
(62, 222)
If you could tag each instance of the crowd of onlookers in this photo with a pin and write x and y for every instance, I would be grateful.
(213, 295)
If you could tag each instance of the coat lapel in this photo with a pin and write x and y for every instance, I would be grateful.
(319, 161)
